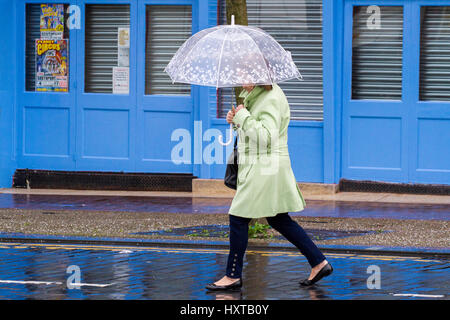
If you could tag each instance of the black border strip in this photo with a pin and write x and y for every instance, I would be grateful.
(386, 187)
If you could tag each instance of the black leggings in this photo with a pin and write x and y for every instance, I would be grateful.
(283, 223)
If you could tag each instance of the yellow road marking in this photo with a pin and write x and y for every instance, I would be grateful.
(392, 257)
(201, 250)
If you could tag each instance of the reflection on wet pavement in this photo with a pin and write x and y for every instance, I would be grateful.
(115, 272)
(191, 205)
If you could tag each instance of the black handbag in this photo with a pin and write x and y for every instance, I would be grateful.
(231, 172)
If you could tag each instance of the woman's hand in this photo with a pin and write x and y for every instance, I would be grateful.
(241, 106)
(232, 112)
(230, 115)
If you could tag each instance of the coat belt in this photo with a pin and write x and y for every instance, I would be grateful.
(279, 149)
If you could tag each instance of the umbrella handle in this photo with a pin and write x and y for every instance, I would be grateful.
(231, 137)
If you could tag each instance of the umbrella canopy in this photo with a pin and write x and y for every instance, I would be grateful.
(231, 56)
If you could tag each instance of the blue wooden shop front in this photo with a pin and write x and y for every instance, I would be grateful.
(403, 140)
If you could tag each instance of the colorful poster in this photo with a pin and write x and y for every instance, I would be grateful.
(52, 21)
(52, 65)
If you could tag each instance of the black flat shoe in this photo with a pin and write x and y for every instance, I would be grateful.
(235, 286)
(324, 272)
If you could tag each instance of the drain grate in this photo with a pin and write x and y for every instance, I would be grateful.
(387, 187)
(99, 180)
(222, 231)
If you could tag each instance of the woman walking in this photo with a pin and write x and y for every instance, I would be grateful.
(262, 190)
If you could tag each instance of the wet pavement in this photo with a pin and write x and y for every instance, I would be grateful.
(41, 271)
(49, 271)
(219, 231)
(190, 205)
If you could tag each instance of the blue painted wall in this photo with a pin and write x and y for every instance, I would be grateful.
(132, 133)
(7, 90)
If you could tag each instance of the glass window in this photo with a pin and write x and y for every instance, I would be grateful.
(46, 68)
(107, 58)
(377, 52)
(168, 27)
(297, 26)
(435, 53)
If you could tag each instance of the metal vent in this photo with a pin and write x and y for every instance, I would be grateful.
(101, 48)
(435, 54)
(168, 27)
(91, 180)
(297, 26)
(377, 52)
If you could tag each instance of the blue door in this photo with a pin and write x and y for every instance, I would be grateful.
(121, 111)
(395, 121)
(106, 120)
(164, 110)
(132, 131)
(45, 121)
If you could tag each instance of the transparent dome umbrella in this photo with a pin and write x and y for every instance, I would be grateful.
(231, 56)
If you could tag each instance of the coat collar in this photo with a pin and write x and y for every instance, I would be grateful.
(252, 95)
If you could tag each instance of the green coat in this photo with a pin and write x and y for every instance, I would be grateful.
(266, 184)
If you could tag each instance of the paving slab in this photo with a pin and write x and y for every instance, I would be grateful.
(339, 196)
(208, 205)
